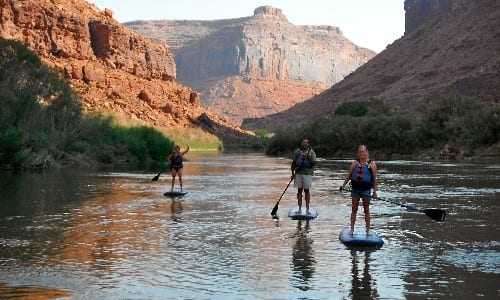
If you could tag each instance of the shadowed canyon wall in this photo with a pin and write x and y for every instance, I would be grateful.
(450, 47)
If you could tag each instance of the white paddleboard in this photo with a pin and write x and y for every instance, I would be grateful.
(295, 214)
(359, 237)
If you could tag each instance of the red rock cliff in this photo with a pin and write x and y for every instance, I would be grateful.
(111, 66)
(256, 65)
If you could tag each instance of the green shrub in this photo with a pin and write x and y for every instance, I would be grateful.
(463, 122)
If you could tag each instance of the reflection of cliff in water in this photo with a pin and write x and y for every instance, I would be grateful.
(302, 257)
(363, 286)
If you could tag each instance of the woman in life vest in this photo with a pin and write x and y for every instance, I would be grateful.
(176, 159)
(302, 171)
(363, 176)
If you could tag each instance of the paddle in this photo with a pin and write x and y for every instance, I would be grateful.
(433, 213)
(158, 175)
(275, 208)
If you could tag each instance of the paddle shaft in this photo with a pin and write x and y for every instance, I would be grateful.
(433, 213)
(275, 208)
(158, 175)
(397, 203)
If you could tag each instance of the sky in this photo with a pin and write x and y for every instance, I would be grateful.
(368, 23)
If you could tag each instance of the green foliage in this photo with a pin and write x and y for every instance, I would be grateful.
(263, 133)
(362, 108)
(143, 142)
(41, 120)
(353, 109)
(462, 122)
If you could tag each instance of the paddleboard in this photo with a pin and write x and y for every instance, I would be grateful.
(175, 193)
(359, 237)
(302, 215)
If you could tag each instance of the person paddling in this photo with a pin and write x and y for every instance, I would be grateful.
(363, 176)
(176, 164)
(302, 171)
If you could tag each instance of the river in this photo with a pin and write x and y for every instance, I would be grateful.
(80, 234)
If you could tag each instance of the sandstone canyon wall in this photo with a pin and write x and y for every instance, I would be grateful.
(113, 68)
(449, 46)
(257, 65)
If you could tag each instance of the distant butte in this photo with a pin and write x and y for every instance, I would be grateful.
(258, 65)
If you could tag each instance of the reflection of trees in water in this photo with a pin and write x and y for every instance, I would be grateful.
(303, 256)
(363, 286)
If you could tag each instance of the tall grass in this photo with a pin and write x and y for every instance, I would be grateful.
(196, 138)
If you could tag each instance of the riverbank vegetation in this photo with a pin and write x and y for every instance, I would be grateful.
(42, 123)
(464, 124)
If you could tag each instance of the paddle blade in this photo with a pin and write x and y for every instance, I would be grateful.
(275, 210)
(156, 178)
(435, 214)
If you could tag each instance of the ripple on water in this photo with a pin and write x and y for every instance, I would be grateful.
(123, 239)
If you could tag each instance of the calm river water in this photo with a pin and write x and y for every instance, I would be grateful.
(113, 235)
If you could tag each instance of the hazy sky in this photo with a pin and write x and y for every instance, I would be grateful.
(368, 23)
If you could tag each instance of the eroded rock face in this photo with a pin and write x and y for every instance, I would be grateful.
(112, 67)
(450, 52)
(256, 53)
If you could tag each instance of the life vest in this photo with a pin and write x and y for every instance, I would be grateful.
(361, 176)
(303, 160)
(176, 161)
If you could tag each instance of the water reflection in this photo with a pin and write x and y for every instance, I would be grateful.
(363, 285)
(115, 236)
(303, 256)
(176, 208)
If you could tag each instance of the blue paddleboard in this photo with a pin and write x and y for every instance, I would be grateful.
(302, 215)
(175, 193)
(359, 237)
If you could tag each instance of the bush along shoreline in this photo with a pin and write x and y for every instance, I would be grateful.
(42, 124)
(452, 127)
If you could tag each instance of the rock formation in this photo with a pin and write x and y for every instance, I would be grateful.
(112, 67)
(257, 65)
(454, 48)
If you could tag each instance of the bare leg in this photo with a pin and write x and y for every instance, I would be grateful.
(308, 198)
(180, 177)
(354, 211)
(174, 173)
(299, 198)
(366, 207)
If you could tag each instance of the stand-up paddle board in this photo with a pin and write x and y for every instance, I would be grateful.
(359, 237)
(175, 193)
(295, 214)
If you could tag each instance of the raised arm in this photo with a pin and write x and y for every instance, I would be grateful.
(185, 151)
